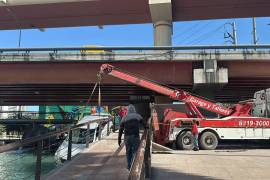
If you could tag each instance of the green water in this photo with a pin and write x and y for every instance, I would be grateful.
(17, 165)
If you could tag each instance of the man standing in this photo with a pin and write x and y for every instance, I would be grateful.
(195, 133)
(130, 124)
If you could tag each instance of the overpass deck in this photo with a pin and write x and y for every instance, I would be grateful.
(62, 76)
(103, 160)
(18, 14)
(136, 56)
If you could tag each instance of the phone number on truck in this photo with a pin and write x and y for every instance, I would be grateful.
(254, 123)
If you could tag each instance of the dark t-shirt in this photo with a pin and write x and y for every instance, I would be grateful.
(131, 127)
(130, 124)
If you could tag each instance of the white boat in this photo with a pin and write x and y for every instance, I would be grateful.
(79, 136)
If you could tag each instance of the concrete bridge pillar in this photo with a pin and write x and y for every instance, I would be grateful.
(162, 33)
(210, 74)
(161, 13)
(208, 79)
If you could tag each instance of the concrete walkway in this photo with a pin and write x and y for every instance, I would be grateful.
(218, 164)
(102, 161)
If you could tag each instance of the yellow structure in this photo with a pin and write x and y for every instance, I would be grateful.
(92, 51)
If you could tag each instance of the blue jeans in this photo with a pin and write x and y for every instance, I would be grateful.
(132, 144)
(196, 144)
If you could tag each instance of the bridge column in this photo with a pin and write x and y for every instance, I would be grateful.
(209, 78)
(161, 13)
(210, 74)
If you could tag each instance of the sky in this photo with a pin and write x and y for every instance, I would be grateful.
(206, 32)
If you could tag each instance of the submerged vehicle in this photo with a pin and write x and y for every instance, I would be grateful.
(79, 135)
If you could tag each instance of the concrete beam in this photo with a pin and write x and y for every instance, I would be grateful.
(31, 2)
(161, 10)
(67, 13)
(86, 72)
(256, 56)
(211, 74)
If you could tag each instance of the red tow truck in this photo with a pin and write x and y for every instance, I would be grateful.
(234, 122)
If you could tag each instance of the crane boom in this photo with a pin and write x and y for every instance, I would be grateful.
(179, 95)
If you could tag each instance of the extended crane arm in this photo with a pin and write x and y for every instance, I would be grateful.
(179, 95)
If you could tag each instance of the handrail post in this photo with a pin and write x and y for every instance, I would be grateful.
(113, 121)
(138, 167)
(88, 135)
(69, 145)
(99, 130)
(38, 161)
(148, 151)
(108, 127)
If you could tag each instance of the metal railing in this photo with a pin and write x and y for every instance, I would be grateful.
(138, 48)
(141, 166)
(39, 143)
(10, 137)
(30, 117)
(178, 53)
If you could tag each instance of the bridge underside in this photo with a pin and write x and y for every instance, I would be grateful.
(77, 94)
(52, 83)
(21, 14)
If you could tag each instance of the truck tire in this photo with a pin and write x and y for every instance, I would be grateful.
(184, 141)
(208, 141)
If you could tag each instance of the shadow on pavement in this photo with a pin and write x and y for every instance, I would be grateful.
(244, 144)
(167, 174)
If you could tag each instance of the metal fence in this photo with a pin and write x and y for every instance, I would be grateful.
(138, 48)
(40, 144)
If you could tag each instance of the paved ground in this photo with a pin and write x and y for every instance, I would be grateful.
(219, 164)
(102, 161)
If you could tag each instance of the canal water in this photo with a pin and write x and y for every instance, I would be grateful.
(19, 165)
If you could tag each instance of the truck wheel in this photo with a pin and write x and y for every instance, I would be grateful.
(208, 141)
(185, 140)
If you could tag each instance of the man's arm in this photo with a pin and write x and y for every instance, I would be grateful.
(121, 130)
